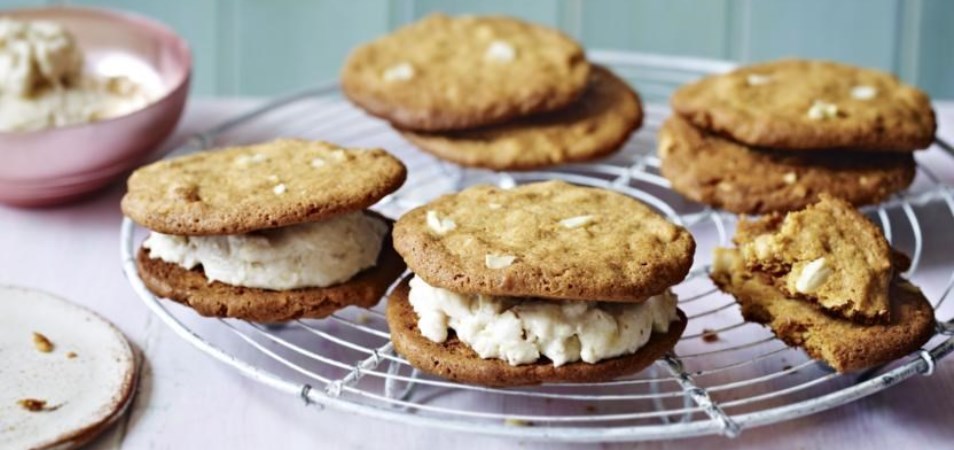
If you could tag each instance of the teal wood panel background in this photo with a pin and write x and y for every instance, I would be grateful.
(266, 47)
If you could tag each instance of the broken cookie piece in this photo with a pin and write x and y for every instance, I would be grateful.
(828, 253)
(844, 345)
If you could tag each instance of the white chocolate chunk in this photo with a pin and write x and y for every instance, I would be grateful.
(813, 276)
(500, 51)
(790, 178)
(863, 92)
(757, 80)
(439, 225)
(494, 205)
(246, 160)
(318, 162)
(576, 222)
(399, 72)
(821, 110)
(279, 189)
(498, 261)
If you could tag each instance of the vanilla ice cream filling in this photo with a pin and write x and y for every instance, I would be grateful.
(521, 331)
(317, 254)
(42, 84)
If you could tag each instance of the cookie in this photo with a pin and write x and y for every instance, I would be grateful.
(844, 345)
(810, 105)
(827, 253)
(242, 189)
(192, 288)
(456, 361)
(598, 124)
(727, 175)
(448, 73)
(547, 240)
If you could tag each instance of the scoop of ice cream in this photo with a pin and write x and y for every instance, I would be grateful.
(35, 55)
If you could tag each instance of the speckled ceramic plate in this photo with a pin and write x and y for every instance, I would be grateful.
(62, 394)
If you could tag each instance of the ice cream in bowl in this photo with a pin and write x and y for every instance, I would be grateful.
(85, 95)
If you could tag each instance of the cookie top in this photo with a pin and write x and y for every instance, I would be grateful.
(446, 73)
(595, 125)
(454, 360)
(845, 345)
(217, 299)
(805, 105)
(546, 240)
(242, 189)
(727, 175)
(828, 253)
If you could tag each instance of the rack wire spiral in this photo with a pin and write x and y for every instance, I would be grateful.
(723, 376)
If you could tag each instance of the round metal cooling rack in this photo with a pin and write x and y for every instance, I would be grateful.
(723, 376)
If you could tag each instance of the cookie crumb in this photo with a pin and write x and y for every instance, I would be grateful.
(71, 355)
(786, 368)
(517, 422)
(709, 336)
(590, 408)
(498, 261)
(34, 405)
(42, 343)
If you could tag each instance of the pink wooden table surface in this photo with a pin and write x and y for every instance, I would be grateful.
(187, 400)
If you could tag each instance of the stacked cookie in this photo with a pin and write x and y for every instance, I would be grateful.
(268, 232)
(774, 136)
(546, 282)
(492, 92)
(825, 279)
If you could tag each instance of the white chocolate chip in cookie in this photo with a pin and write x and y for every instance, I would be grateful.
(500, 51)
(441, 226)
(318, 162)
(813, 276)
(757, 80)
(399, 72)
(821, 110)
(494, 205)
(279, 189)
(576, 222)
(790, 178)
(247, 160)
(863, 92)
(498, 261)
(764, 247)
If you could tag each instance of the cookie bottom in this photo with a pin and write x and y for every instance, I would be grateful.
(714, 170)
(456, 361)
(192, 288)
(844, 345)
(598, 124)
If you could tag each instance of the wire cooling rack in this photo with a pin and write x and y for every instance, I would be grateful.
(723, 376)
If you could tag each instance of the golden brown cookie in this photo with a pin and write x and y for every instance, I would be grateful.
(216, 299)
(448, 73)
(548, 240)
(827, 253)
(727, 175)
(846, 346)
(242, 189)
(597, 124)
(456, 361)
(810, 105)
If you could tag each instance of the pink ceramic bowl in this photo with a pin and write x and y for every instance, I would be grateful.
(59, 164)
